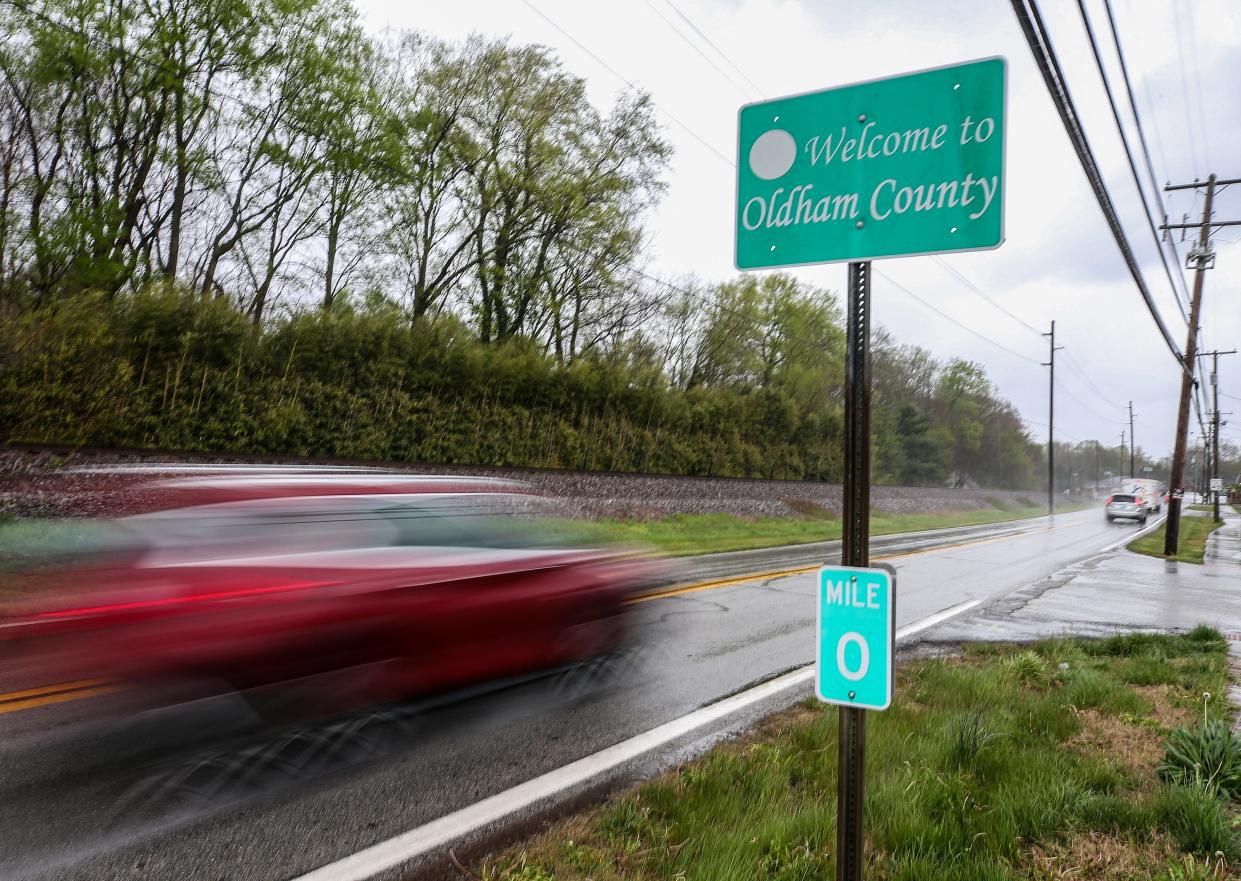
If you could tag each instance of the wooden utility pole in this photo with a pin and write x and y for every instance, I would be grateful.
(1133, 446)
(1176, 488)
(1214, 454)
(1203, 259)
(1051, 420)
(1120, 472)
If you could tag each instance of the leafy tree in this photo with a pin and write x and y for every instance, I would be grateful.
(923, 458)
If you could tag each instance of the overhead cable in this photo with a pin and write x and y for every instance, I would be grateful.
(720, 51)
(973, 287)
(948, 317)
(1146, 153)
(711, 61)
(1039, 41)
(1077, 369)
(624, 79)
(1133, 167)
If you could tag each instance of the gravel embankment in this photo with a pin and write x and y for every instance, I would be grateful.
(33, 483)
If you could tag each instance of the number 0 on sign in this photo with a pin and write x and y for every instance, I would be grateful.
(856, 632)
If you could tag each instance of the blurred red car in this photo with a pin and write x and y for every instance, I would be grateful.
(254, 577)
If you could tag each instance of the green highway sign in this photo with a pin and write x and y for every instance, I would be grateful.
(856, 636)
(912, 164)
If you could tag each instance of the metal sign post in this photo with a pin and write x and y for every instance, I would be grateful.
(905, 165)
(855, 551)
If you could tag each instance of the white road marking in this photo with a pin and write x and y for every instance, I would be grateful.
(439, 833)
(1133, 535)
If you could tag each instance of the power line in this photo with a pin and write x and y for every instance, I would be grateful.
(1150, 167)
(1032, 26)
(1058, 430)
(1180, 60)
(1197, 71)
(1124, 140)
(1084, 406)
(612, 70)
(702, 54)
(973, 287)
(720, 51)
(1077, 369)
(948, 317)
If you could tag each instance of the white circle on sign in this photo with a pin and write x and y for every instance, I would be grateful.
(772, 154)
(864, 662)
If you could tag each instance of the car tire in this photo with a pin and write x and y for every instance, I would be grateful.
(1109, 517)
(1142, 521)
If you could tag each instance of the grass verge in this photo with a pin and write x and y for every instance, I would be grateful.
(686, 534)
(1191, 541)
(1001, 764)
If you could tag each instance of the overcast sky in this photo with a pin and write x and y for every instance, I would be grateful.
(1058, 261)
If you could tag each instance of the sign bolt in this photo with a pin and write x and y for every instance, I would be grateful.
(861, 117)
(852, 695)
(860, 224)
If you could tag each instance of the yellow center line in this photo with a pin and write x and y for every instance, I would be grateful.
(781, 573)
(57, 697)
(46, 689)
(62, 692)
(724, 582)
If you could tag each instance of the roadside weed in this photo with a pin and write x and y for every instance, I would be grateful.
(1187, 868)
(1207, 756)
(983, 762)
(1196, 819)
(1029, 667)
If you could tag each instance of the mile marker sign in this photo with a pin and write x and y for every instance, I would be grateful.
(856, 636)
(912, 164)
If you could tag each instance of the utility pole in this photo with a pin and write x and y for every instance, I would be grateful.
(1172, 531)
(1133, 446)
(1051, 419)
(1120, 479)
(1215, 419)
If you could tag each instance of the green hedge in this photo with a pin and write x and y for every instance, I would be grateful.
(165, 370)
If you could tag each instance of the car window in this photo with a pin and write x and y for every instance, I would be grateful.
(1122, 498)
(248, 529)
(40, 542)
(504, 523)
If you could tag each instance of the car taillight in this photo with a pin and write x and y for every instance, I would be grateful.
(1110, 499)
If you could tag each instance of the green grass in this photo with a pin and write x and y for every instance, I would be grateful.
(688, 534)
(1002, 764)
(1191, 542)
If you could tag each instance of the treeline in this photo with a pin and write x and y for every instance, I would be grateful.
(246, 225)
(270, 152)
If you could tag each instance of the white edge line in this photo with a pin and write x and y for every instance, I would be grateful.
(417, 842)
(1134, 536)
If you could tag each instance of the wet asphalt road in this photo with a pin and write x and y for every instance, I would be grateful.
(78, 802)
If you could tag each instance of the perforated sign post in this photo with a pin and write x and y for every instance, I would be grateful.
(856, 636)
(906, 165)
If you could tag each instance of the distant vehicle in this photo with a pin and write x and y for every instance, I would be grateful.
(1151, 491)
(1125, 506)
(252, 579)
